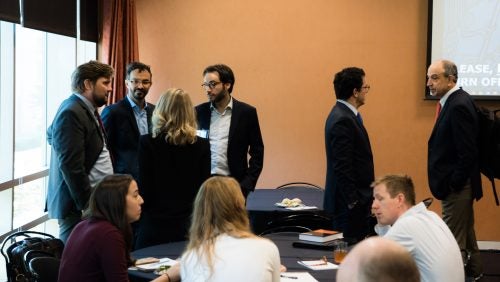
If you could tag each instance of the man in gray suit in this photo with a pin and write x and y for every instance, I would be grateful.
(79, 157)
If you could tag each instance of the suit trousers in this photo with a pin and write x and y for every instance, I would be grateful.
(67, 224)
(356, 223)
(458, 213)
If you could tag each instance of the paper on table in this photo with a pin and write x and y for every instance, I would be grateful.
(318, 264)
(297, 277)
(300, 208)
(155, 265)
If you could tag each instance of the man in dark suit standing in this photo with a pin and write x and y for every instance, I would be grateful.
(453, 160)
(349, 166)
(128, 119)
(233, 129)
(79, 157)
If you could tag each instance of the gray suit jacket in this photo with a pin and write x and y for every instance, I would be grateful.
(76, 145)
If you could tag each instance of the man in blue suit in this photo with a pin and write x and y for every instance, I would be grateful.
(79, 157)
(349, 166)
(128, 119)
(453, 160)
(233, 129)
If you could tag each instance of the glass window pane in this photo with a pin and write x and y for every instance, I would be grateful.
(5, 211)
(6, 100)
(29, 202)
(30, 101)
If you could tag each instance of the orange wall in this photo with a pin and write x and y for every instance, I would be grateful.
(284, 54)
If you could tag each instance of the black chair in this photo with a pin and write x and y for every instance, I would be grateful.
(281, 229)
(428, 201)
(44, 269)
(299, 184)
(309, 220)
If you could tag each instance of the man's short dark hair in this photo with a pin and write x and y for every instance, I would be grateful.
(346, 81)
(225, 74)
(137, 66)
(92, 71)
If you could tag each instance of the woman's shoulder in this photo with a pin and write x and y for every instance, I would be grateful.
(98, 227)
(252, 241)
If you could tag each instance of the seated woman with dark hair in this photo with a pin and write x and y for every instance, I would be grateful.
(98, 249)
(221, 246)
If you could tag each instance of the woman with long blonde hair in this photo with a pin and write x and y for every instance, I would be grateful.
(221, 246)
(173, 163)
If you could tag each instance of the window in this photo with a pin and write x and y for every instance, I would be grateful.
(35, 72)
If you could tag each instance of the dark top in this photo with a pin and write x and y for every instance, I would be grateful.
(169, 179)
(349, 161)
(123, 135)
(245, 139)
(95, 251)
(76, 145)
(453, 157)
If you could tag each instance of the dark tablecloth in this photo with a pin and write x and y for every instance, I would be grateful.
(289, 256)
(262, 210)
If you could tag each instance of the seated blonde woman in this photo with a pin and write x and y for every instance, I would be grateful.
(221, 246)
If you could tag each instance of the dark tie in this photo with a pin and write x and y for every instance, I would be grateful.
(360, 119)
(103, 134)
(438, 110)
(101, 126)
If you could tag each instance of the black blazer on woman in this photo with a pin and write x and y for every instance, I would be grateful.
(169, 179)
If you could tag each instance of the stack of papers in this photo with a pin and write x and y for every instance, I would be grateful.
(318, 264)
(297, 277)
(150, 267)
(300, 208)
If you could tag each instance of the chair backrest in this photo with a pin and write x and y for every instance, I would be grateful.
(299, 184)
(309, 220)
(45, 269)
(281, 229)
(427, 202)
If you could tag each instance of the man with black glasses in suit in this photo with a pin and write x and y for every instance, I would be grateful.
(348, 195)
(233, 129)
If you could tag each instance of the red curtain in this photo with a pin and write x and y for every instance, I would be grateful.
(119, 43)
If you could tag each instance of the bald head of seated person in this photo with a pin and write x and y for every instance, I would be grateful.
(378, 259)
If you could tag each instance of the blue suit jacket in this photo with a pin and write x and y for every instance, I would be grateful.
(244, 139)
(453, 156)
(123, 135)
(76, 144)
(349, 161)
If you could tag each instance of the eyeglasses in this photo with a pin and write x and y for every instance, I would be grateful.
(137, 82)
(210, 84)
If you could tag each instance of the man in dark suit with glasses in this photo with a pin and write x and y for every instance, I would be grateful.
(232, 128)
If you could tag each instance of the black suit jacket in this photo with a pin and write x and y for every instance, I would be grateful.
(123, 135)
(349, 161)
(169, 179)
(453, 157)
(76, 143)
(244, 139)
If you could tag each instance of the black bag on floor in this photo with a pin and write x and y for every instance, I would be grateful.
(23, 243)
